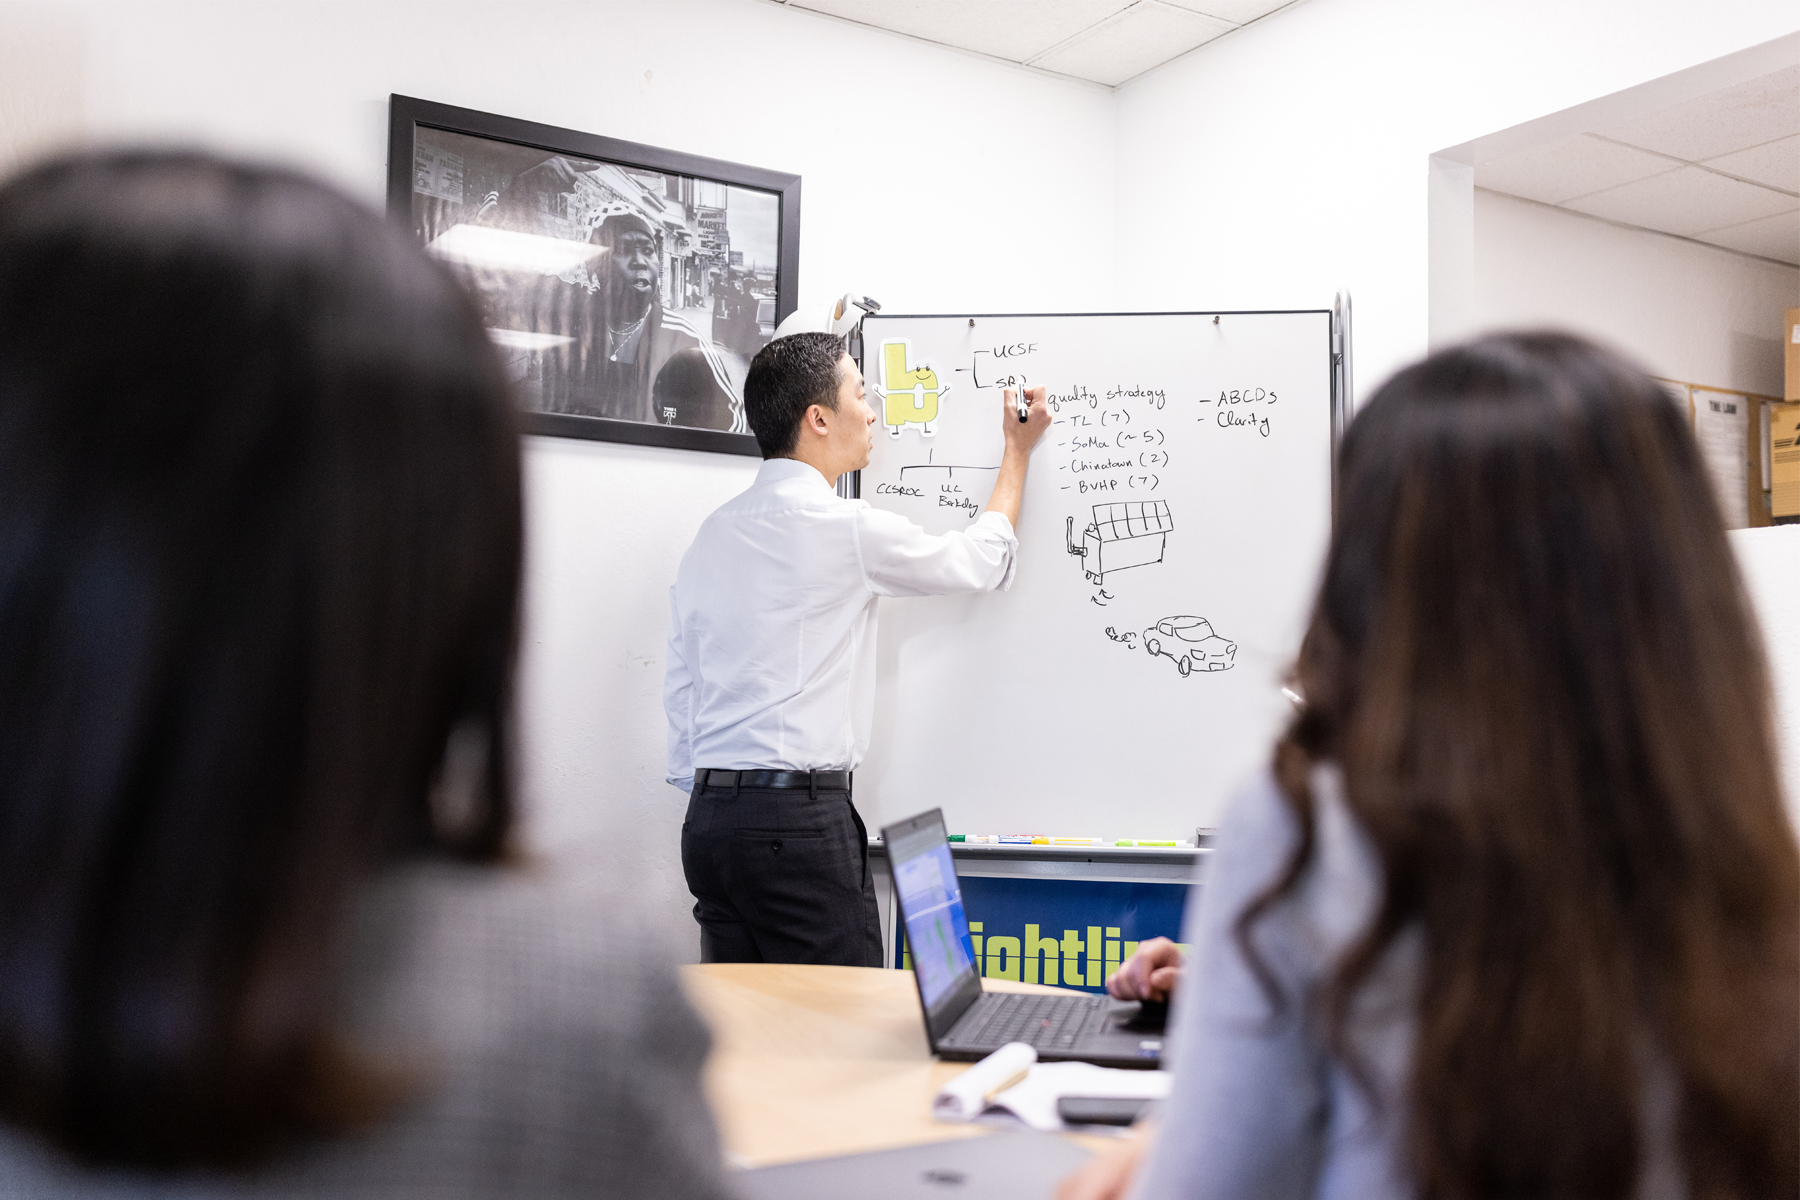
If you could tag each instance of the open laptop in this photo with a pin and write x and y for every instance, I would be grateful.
(961, 1020)
(1006, 1166)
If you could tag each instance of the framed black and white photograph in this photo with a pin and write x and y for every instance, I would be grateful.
(627, 287)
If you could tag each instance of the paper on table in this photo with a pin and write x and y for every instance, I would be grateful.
(1721, 425)
(963, 1098)
(989, 1087)
(1033, 1099)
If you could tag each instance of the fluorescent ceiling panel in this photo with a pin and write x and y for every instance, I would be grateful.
(1735, 118)
(521, 339)
(1010, 29)
(1684, 201)
(1573, 167)
(1146, 35)
(1775, 237)
(510, 250)
(1774, 164)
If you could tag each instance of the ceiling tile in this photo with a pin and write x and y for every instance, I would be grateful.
(1238, 12)
(1684, 201)
(1146, 35)
(1776, 163)
(1772, 237)
(1572, 167)
(1010, 29)
(1747, 114)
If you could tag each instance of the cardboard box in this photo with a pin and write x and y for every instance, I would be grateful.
(1792, 343)
(1784, 460)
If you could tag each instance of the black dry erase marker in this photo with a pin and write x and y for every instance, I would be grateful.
(1024, 404)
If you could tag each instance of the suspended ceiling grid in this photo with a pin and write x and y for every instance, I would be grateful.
(1101, 41)
(1722, 167)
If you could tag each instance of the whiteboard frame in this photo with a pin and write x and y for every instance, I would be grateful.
(1337, 350)
(1343, 402)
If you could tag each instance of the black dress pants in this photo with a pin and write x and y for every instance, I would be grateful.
(780, 875)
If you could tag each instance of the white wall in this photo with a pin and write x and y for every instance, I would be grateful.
(1686, 311)
(1770, 562)
(1289, 159)
(1282, 162)
(1268, 169)
(879, 127)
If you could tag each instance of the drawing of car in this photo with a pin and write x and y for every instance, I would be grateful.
(1191, 643)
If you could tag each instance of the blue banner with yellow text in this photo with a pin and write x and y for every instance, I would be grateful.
(1068, 932)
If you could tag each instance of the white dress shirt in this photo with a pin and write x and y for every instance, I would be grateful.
(772, 620)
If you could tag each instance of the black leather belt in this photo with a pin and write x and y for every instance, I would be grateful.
(707, 777)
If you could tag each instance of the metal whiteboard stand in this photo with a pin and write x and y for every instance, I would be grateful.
(1080, 909)
(1343, 402)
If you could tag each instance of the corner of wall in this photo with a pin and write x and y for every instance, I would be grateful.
(1451, 296)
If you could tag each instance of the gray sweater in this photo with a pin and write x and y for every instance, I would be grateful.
(557, 1056)
(1261, 1110)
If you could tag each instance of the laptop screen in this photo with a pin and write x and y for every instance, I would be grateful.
(931, 906)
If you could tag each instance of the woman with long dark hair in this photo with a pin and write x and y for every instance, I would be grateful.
(259, 570)
(1516, 913)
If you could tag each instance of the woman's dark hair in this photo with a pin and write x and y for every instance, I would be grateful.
(259, 556)
(1532, 658)
(787, 377)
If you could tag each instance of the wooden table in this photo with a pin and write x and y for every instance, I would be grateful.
(810, 1062)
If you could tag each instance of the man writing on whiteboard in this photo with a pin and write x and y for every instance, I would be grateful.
(770, 688)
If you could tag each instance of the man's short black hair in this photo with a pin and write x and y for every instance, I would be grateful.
(788, 376)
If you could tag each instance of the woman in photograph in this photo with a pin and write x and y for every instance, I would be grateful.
(263, 927)
(1516, 911)
(594, 339)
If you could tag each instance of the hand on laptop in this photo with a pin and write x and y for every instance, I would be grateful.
(1150, 974)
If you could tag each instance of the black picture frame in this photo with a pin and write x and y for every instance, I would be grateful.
(407, 115)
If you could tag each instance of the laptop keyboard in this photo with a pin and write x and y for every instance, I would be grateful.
(1043, 1022)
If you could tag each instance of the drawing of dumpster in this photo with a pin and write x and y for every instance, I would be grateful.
(909, 395)
(1127, 533)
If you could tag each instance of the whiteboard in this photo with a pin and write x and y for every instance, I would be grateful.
(1174, 523)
